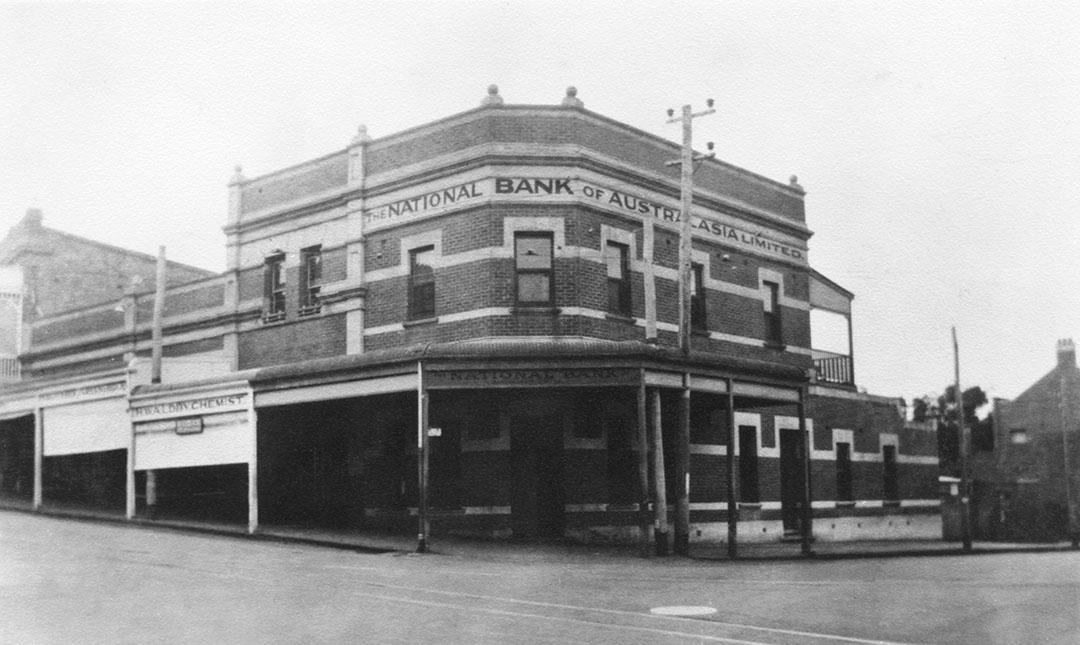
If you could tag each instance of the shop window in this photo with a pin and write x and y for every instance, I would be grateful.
(534, 269)
(589, 422)
(622, 459)
(891, 483)
(274, 288)
(480, 422)
(707, 420)
(748, 465)
(844, 491)
(310, 278)
(773, 328)
(617, 257)
(698, 315)
(421, 283)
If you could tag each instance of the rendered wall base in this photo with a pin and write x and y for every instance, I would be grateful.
(838, 529)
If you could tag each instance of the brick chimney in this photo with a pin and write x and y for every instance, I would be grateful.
(32, 219)
(1066, 353)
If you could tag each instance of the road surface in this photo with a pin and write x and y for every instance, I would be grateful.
(66, 581)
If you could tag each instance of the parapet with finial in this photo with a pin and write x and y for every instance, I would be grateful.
(571, 99)
(492, 99)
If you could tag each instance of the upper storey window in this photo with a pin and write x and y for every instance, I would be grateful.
(773, 328)
(310, 277)
(617, 257)
(421, 283)
(698, 317)
(274, 288)
(534, 268)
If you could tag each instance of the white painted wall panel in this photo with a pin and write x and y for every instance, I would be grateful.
(93, 426)
(225, 439)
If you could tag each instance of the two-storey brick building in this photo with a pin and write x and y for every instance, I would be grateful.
(499, 288)
(1037, 456)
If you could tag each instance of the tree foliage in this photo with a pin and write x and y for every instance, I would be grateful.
(943, 409)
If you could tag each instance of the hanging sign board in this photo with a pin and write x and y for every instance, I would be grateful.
(191, 425)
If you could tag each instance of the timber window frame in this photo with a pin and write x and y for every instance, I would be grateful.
(534, 268)
(617, 260)
(421, 283)
(774, 328)
(310, 279)
(274, 283)
(699, 318)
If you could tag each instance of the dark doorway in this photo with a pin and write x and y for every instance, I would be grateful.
(536, 504)
(792, 478)
(17, 459)
(201, 493)
(93, 479)
(308, 465)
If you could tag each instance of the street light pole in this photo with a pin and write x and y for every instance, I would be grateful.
(686, 193)
(965, 484)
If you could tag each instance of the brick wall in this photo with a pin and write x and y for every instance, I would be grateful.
(178, 303)
(303, 340)
(600, 135)
(321, 175)
(88, 322)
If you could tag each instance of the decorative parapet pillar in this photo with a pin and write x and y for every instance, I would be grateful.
(354, 269)
(236, 187)
(232, 282)
(129, 304)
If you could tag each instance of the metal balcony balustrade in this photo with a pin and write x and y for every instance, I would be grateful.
(833, 368)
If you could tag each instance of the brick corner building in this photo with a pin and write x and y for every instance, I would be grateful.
(500, 289)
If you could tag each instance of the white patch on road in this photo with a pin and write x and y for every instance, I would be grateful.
(682, 610)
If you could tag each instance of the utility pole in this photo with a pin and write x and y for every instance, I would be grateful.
(686, 193)
(965, 441)
(1070, 498)
(423, 448)
(159, 310)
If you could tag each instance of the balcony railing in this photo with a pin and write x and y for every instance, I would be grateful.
(833, 368)
(9, 369)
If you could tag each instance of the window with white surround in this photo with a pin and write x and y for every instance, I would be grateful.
(771, 302)
(421, 283)
(534, 268)
(617, 258)
(274, 288)
(310, 278)
(844, 492)
(698, 313)
(748, 465)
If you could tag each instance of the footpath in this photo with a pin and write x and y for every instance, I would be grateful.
(543, 551)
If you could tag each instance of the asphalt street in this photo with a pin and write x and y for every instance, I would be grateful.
(66, 581)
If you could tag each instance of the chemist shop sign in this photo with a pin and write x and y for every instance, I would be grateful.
(564, 190)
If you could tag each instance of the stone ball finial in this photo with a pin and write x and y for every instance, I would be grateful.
(238, 175)
(794, 181)
(361, 135)
(493, 97)
(571, 99)
(32, 218)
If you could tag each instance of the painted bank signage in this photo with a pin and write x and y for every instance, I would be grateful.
(542, 377)
(564, 189)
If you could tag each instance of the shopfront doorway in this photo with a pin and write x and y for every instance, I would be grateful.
(792, 478)
(536, 506)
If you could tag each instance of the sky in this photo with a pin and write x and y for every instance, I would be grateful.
(937, 141)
